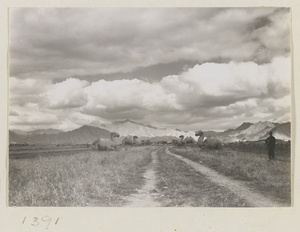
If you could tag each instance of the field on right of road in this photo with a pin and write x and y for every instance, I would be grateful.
(272, 179)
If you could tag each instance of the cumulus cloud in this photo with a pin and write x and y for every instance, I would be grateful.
(125, 94)
(67, 94)
(216, 84)
(208, 90)
(181, 68)
(203, 93)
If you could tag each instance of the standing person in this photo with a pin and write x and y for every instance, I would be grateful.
(271, 141)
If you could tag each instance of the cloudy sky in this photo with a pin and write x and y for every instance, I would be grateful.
(186, 68)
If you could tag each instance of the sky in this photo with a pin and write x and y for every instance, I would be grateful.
(184, 68)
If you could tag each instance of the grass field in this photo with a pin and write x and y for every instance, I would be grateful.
(273, 179)
(182, 186)
(83, 178)
(78, 176)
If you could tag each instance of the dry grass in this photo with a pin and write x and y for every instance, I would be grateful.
(92, 178)
(273, 179)
(76, 178)
(182, 186)
(283, 148)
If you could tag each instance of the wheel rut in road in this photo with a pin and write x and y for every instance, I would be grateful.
(146, 196)
(254, 199)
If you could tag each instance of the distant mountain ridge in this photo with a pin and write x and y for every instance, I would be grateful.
(244, 126)
(257, 131)
(82, 135)
(128, 127)
(49, 131)
(87, 134)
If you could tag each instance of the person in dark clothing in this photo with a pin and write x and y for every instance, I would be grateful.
(271, 142)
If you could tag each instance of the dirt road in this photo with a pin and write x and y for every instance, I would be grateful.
(150, 195)
(146, 196)
(252, 198)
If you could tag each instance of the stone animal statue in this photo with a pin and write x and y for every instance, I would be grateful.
(189, 141)
(106, 144)
(178, 142)
(175, 142)
(211, 143)
(130, 141)
(146, 142)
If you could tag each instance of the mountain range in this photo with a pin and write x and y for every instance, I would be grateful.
(128, 127)
(49, 131)
(257, 131)
(82, 135)
(88, 133)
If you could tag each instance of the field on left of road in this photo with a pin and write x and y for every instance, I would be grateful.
(76, 177)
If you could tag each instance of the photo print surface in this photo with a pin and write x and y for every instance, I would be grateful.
(149, 107)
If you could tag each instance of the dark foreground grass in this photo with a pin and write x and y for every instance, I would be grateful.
(181, 186)
(273, 179)
(76, 178)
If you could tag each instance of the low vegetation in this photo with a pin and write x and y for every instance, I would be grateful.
(76, 178)
(283, 148)
(79, 176)
(181, 186)
(273, 179)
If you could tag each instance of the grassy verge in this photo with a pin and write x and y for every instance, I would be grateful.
(180, 185)
(76, 178)
(282, 149)
(270, 178)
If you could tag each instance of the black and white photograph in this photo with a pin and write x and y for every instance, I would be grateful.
(150, 107)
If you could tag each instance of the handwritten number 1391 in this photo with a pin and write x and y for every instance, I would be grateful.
(36, 221)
